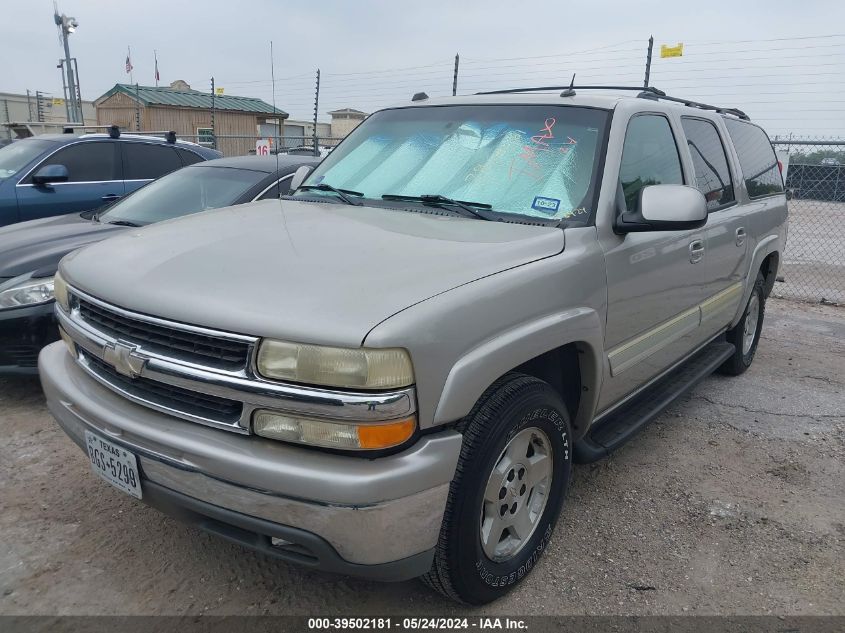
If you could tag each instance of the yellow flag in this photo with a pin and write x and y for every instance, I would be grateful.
(672, 51)
(58, 102)
(219, 91)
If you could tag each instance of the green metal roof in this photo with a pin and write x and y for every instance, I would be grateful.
(167, 96)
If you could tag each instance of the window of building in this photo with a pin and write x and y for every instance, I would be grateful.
(649, 157)
(712, 175)
(756, 158)
(205, 136)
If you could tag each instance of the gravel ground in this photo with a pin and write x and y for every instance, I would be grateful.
(730, 503)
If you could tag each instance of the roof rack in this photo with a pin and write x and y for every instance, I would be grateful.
(647, 92)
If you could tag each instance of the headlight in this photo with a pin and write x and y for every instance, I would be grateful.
(328, 434)
(60, 290)
(359, 368)
(26, 291)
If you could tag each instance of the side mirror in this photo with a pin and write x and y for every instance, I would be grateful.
(665, 208)
(299, 177)
(50, 173)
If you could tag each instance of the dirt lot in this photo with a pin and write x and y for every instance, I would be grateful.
(731, 503)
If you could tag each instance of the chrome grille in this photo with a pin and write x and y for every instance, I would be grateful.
(184, 401)
(193, 347)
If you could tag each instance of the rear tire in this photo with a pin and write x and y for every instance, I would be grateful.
(508, 490)
(746, 334)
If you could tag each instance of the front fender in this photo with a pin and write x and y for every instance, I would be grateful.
(462, 340)
(480, 367)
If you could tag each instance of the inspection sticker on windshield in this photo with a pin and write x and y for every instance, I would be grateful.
(549, 206)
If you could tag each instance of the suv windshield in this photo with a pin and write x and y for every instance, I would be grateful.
(17, 155)
(539, 162)
(183, 192)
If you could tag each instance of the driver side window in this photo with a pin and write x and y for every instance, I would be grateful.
(649, 157)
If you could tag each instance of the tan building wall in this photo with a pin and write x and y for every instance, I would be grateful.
(15, 107)
(342, 127)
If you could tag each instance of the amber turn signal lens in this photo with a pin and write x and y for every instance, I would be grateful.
(386, 435)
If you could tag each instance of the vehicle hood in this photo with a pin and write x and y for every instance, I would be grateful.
(38, 245)
(303, 271)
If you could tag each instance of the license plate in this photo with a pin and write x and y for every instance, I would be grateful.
(114, 463)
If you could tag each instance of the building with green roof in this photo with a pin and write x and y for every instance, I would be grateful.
(188, 112)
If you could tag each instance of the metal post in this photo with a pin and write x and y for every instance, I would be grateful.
(6, 112)
(62, 21)
(316, 105)
(648, 62)
(29, 104)
(455, 76)
(137, 109)
(78, 95)
(213, 132)
(61, 65)
(39, 106)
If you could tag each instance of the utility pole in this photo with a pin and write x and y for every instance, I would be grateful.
(213, 133)
(455, 76)
(66, 27)
(137, 109)
(648, 61)
(316, 105)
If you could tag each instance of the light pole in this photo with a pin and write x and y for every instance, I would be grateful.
(67, 26)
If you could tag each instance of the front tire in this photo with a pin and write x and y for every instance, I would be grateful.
(508, 490)
(746, 334)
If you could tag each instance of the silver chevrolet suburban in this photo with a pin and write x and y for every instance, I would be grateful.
(390, 372)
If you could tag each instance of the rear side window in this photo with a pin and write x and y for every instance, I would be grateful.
(87, 162)
(188, 157)
(142, 161)
(756, 157)
(649, 157)
(712, 175)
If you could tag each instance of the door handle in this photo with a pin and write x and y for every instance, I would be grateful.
(696, 251)
(109, 197)
(740, 236)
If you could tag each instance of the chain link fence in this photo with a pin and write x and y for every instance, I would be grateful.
(813, 266)
(246, 145)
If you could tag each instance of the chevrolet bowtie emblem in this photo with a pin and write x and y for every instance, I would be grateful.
(124, 359)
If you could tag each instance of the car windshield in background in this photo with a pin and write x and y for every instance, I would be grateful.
(17, 155)
(535, 161)
(183, 192)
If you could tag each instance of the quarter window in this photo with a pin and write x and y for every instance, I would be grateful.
(142, 161)
(756, 158)
(188, 157)
(649, 157)
(712, 175)
(86, 162)
(281, 188)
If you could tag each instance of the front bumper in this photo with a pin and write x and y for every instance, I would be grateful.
(23, 332)
(378, 518)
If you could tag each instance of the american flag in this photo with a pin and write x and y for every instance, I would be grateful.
(128, 65)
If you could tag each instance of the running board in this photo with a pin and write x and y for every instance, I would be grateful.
(611, 432)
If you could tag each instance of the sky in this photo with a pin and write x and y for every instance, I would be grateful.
(782, 62)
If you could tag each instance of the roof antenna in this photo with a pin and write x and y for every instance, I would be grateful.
(276, 114)
(569, 92)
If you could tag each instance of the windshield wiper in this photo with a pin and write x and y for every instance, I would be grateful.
(124, 223)
(343, 194)
(437, 200)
